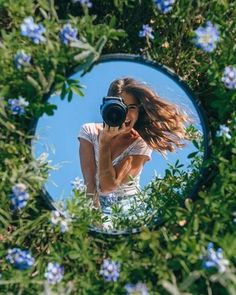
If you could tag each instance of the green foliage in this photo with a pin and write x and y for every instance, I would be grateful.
(166, 258)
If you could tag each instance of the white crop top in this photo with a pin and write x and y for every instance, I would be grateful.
(138, 147)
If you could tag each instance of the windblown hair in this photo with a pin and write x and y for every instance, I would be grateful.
(161, 124)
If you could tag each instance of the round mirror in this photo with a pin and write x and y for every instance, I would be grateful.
(58, 136)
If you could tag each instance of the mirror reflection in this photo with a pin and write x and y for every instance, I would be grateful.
(135, 125)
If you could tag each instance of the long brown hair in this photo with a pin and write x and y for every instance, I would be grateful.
(161, 124)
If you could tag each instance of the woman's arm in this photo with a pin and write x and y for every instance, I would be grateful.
(110, 178)
(88, 165)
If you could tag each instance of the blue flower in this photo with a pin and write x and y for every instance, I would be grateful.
(87, 3)
(21, 59)
(78, 184)
(68, 34)
(17, 105)
(223, 131)
(207, 37)
(61, 218)
(229, 77)
(146, 32)
(110, 270)
(54, 273)
(32, 30)
(21, 259)
(164, 6)
(19, 196)
(138, 289)
(215, 259)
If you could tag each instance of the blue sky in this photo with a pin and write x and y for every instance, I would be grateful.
(58, 134)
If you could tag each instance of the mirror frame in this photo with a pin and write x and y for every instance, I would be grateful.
(49, 202)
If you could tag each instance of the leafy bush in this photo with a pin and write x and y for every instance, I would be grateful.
(38, 50)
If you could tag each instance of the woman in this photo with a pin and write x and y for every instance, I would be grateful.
(112, 158)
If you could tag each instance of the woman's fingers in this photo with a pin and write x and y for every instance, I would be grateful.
(114, 130)
(123, 127)
(111, 129)
(106, 127)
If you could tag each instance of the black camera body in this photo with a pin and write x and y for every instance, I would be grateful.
(113, 111)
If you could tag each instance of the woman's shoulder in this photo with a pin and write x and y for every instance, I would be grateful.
(98, 127)
(92, 128)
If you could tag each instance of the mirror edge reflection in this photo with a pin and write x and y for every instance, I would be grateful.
(198, 107)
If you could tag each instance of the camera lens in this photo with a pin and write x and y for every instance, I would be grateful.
(113, 111)
(114, 116)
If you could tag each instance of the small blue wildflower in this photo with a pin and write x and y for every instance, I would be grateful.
(21, 259)
(164, 6)
(215, 259)
(19, 196)
(17, 105)
(54, 273)
(87, 3)
(207, 37)
(78, 184)
(146, 32)
(64, 226)
(60, 218)
(110, 270)
(32, 30)
(223, 131)
(68, 34)
(138, 289)
(229, 77)
(21, 59)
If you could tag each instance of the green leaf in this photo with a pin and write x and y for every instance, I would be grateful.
(167, 172)
(112, 22)
(34, 83)
(49, 109)
(100, 44)
(234, 150)
(43, 81)
(188, 204)
(5, 214)
(192, 277)
(70, 95)
(192, 155)
(72, 81)
(196, 223)
(64, 91)
(74, 254)
(43, 12)
(88, 63)
(83, 55)
(77, 90)
(81, 45)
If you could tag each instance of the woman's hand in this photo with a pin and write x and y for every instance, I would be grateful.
(109, 133)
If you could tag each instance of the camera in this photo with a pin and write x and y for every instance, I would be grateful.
(113, 111)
